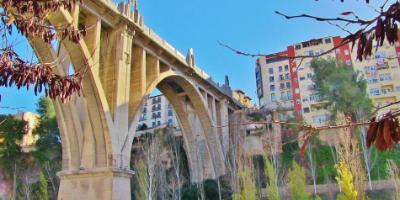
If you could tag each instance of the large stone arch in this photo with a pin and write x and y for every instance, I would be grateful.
(203, 149)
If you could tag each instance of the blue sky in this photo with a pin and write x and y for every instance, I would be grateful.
(250, 25)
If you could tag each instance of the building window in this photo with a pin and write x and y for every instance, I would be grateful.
(315, 97)
(143, 117)
(385, 77)
(370, 69)
(372, 80)
(328, 41)
(272, 88)
(273, 97)
(320, 119)
(280, 69)
(286, 68)
(260, 92)
(281, 77)
(271, 79)
(287, 76)
(288, 85)
(290, 95)
(282, 86)
(170, 122)
(306, 110)
(309, 75)
(258, 73)
(374, 91)
(283, 96)
(271, 70)
(158, 114)
(170, 113)
(153, 124)
(298, 46)
(387, 90)
(158, 123)
(302, 78)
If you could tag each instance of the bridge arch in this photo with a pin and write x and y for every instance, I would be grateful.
(202, 145)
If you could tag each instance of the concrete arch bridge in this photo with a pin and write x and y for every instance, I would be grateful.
(127, 61)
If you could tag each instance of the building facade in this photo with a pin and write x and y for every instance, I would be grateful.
(242, 98)
(382, 73)
(156, 112)
(286, 82)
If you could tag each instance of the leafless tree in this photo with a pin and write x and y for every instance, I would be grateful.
(152, 155)
(312, 167)
(383, 26)
(175, 148)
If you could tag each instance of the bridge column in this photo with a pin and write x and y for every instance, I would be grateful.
(224, 121)
(95, 126)
(95, 184)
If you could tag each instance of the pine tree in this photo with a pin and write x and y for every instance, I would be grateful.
(297, 183)
(341, 87)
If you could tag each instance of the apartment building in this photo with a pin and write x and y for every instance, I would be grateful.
(274, 84)
(242, 98)
(381, 74)
(157, 111)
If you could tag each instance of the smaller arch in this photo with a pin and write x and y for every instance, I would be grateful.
(172, 81)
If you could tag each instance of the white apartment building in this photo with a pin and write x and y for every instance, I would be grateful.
(157, 111)
(274, 87)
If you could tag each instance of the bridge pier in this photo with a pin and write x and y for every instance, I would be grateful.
(102, 183)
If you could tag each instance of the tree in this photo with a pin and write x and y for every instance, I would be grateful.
(344, 90)
(42, 191)
(29, 19)
(345, 181)
(394, 172)
(248, 190)
(48, 146)
(11, 155)
(272, 185)
(141, 192)
(46, 154)
(297, 183)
